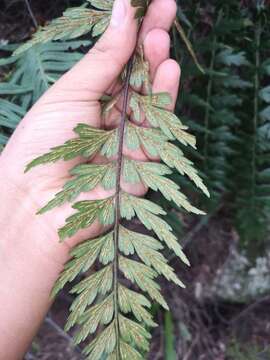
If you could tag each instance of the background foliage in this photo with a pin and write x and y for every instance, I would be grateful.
(227, 108)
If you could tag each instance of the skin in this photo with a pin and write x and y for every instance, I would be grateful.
(31, 256)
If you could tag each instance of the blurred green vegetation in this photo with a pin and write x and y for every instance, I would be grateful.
(228, 108)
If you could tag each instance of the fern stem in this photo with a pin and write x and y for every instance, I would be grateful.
(27, 3)
(185, 38)
(208, 96)
(256, 105)
(118, 201)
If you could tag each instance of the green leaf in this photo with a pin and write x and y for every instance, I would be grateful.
(74, 23)
(150, 139)
(88, 176)
(154, 108)
(83, 257)
(140, 71)
(175, 158)
(32, 73)
(265, 94)
(142, 276)
(87, 212)
(105, 310)
(151, 221)
(265, 114)
(235, 82)
(132, 302)
(13, 89)
(147, 250)
(134, 333)
(132, 205)
(100, 314)
(104, 344)
(229, 58)
(102, 4)
(100, 283)
(90, 140)
(167, 187)
(128, 353)
(40, 66)
(10, 114)
(156, 145)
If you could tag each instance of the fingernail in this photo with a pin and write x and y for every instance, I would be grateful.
(119, 13)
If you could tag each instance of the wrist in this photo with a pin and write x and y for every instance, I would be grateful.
(30, 263)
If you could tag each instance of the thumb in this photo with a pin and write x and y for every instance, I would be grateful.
(96, 72)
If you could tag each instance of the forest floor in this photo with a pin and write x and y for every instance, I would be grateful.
(204, 327)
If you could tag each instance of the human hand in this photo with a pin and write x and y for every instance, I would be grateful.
(75, 99)
(31, 256)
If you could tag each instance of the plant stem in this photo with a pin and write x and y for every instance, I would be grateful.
(188, 45)
(208, 96)
(118, 200)
(256, 105)
(31, 13)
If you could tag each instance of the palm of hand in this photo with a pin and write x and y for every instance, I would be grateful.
(75, 99)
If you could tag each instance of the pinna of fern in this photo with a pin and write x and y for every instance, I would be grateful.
(111, 303)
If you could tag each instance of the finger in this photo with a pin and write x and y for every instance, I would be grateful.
(156, 49)
(153, 19)
(96, 72)
(160, 14)
(167, 79)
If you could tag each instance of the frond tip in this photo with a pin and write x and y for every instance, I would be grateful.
(74, 23)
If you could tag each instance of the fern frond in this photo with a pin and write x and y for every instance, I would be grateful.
(115, 316)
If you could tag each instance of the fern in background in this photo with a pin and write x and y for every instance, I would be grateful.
(232, 129)
(252, 181)
(32, 73)
(209, 101)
